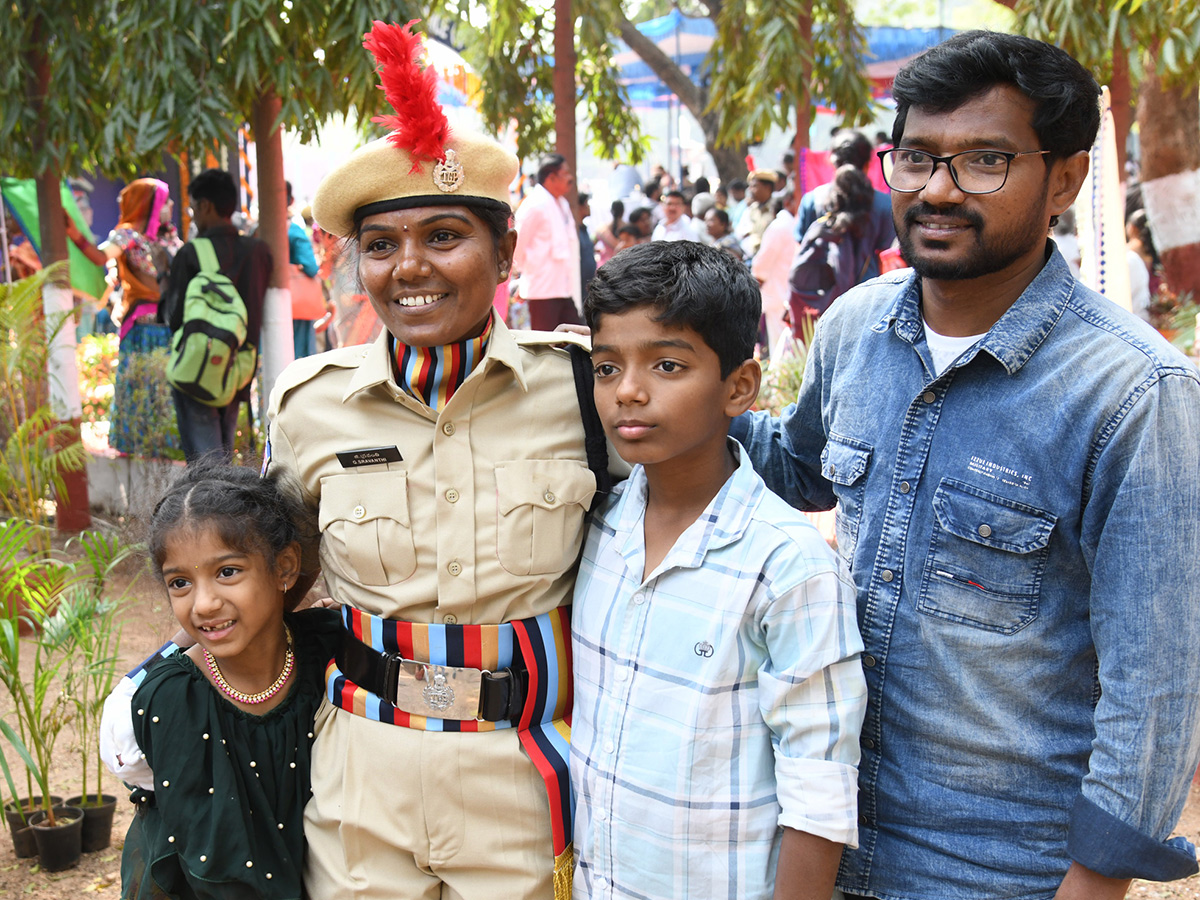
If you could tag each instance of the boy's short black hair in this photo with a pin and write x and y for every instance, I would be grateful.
(218, 187)
(691, 285)
(1065, 94)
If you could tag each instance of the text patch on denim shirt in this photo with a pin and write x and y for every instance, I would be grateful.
(1000, 472)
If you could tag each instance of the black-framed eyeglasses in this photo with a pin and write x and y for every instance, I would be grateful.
(974, 171)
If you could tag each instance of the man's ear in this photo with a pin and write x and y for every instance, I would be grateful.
(743, 385)
(1066, 178)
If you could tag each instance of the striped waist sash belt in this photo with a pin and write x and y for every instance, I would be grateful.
(440, 668)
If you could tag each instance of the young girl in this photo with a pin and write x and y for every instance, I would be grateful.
(226, 726)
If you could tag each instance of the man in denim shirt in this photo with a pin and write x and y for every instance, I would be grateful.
(1016, 462)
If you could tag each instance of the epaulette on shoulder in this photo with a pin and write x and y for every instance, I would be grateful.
(308, 368)
(553, 339)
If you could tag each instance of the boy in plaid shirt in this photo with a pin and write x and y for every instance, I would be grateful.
(718, 690)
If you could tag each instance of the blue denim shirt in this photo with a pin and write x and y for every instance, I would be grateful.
(1022, 532)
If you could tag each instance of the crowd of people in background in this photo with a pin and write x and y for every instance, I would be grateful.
(765, 221)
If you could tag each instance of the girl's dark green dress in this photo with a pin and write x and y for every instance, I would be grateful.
(225, 820)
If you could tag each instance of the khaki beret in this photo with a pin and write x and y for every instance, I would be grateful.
(380, 177)
(768, 175)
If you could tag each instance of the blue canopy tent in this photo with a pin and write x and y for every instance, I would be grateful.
(686, 40)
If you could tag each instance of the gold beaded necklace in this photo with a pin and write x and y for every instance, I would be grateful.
(289, 662)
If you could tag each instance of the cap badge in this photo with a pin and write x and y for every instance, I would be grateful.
(448, 175)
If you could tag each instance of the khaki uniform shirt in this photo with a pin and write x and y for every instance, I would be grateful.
(481, 521)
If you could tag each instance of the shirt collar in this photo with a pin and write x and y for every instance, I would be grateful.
(1016, 335)
(376, 367)
(723, 521)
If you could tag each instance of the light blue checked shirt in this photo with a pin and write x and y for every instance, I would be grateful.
(715, 701)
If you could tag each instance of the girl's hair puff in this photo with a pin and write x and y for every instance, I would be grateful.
(250, 514)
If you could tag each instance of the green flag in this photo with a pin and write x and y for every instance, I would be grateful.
(20, 196)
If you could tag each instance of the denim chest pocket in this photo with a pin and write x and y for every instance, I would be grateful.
(986, 559)
(366, 535)
(541, 505)
(844, 462)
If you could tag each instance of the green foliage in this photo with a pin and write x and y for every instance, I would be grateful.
(513, 54)
(1089, 29)
(767, 66)
(96, 357)
(782, 377)
(128, 78)
(226, 54)
(65, 605)
(35, 450)
(31, 587)
(77, 43)
(1183, 323)
(89, 618)
(962, 15)
(614, 131)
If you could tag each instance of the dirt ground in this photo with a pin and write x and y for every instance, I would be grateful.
(148, 623)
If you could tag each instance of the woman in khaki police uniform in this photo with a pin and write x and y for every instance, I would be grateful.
(446, 464)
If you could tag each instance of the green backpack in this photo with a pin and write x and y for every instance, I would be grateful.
(210, 359)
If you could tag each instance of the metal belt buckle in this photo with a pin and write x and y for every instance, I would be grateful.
(440, 692)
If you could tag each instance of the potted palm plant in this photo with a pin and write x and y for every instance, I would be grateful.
(90, 616)
(40, 707)
(53, 834)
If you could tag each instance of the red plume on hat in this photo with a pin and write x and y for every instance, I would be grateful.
(419, 127)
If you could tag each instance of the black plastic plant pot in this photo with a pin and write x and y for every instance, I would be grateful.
(59, 845)
(97, 820)
(24, 845)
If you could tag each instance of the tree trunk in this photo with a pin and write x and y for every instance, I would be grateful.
(72, 507)
(1120, 93)
(1169, 121)
(803, 104)
(275, 343)
(730, 161)
(564, 87)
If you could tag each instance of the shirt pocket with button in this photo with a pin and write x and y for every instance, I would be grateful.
(366, 536)
(540, 506)
(986, 559)
(844, 462)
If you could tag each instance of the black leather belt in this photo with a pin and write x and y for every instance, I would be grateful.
(443, 692)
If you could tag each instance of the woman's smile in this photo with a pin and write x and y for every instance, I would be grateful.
(431, 272)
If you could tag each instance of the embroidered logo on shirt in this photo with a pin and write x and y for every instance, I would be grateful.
(998, 472)
(703, 649)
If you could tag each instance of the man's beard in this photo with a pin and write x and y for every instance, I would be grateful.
(992, 251)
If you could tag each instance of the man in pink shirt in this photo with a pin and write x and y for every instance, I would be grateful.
(547, 254)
